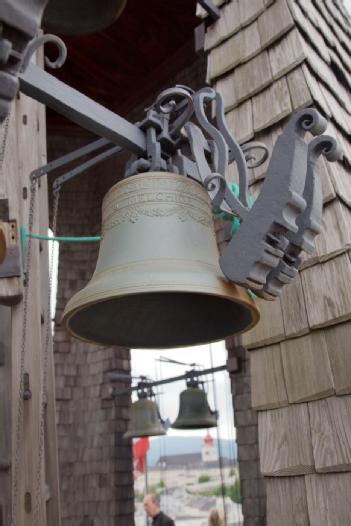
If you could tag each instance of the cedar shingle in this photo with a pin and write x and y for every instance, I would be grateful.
(271, 105)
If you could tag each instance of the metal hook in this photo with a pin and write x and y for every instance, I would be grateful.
(39, 41)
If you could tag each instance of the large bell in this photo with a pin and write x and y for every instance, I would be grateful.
(194, 411)
(78, 17)
(157, 282)
(144, 420)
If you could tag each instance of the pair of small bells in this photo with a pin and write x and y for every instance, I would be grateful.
(194, 413)
(157, 282)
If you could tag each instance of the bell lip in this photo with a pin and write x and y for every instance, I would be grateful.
(198, 426)
(248, 303)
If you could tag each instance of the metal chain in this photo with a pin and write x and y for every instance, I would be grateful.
(5, 127)
(45, 361)
(19, 416)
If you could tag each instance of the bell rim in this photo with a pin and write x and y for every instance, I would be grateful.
(248, 303)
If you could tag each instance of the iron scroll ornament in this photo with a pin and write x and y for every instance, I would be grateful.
(264, 254)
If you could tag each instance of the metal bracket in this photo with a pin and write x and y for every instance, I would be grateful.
(210, 9)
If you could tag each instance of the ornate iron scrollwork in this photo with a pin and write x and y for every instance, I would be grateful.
(264, 252)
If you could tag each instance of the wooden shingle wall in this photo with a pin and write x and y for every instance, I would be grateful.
(268, 59)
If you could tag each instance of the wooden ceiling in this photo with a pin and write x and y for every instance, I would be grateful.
(121, 66)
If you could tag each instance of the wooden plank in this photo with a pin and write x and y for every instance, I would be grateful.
(316, 91)
(340, 35)
(286, 54)
(240, 122)
(224, 57)
(294, 309)
(299, 91)
(307, 369)
(343, 71)
(285, 441)
(50, 475)
(318, 21)
(309, 29)
(270, 328)
(341, 181)
(286, 501)
(271, 105)
(226, 86)
(268, 389)
(343, 141)
(224, 27)
(328, 499)
(337, 11)
(274, 22)
(339, 114)
(239, 48)
(252, 77)
(330, 303)
(331, 433)
(325, 74)
(5, 414)
(250, 44)
(336, 230)
(327, 185)
(338, 344)
(249, 11)
(28, 156)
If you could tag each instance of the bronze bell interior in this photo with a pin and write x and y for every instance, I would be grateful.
(157, 282)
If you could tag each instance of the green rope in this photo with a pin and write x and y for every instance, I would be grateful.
(60, 239)
(227, 217)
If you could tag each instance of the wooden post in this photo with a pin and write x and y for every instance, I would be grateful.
(25, 151)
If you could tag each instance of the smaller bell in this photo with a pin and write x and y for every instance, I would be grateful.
(194, 411)
(145, 420)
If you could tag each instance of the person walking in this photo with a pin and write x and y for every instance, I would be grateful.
(153, 510)
(215, 518)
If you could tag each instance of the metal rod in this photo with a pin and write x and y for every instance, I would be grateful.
(210, 8)
(88, 164)
(47, 89)
(72, 156)
(115, 392)
(219, 445)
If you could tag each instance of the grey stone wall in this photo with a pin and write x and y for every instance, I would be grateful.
(245, 420)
